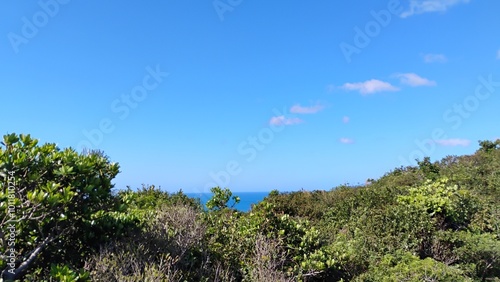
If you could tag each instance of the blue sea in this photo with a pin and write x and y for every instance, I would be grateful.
(246, 199)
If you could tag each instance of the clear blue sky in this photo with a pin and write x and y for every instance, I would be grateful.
(274, 95)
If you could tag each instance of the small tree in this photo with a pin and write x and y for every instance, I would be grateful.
(453, 206)
(221, 198)
(50, 202)
(487, 146)
(429, 169)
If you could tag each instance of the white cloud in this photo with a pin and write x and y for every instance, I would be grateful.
(369, 86)
(414, 80)
(429, 6)
(298, 109)
(453, 142)
(435, 58)
(346, 140)
(281, 120)
(346, 119)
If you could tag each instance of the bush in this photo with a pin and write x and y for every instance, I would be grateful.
(49, 199)
(406, 267)
(167, 249)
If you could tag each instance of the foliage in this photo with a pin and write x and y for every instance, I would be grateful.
(149, 197)
(55, 196)
(438, 221)
(429, 169)
(479, 254)
(168, 248)
(404, 266)
(64, 274)
(439, 199)
(221, 198)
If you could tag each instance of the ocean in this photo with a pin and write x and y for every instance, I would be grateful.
(246, 199)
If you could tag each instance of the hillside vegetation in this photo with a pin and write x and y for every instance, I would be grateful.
(61, 220)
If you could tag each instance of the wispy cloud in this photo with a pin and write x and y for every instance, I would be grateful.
(346, 119)
(369, 86)
(330, 87)
(298, 109)
(282, 120)
(453, 142)
(434, 58)
(429, 6)
(346, 140)
(414, 80)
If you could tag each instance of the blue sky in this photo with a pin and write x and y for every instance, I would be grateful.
(252, 95)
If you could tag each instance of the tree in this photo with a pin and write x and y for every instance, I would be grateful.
(221, 198)
(429, 169)
(487, 146)
(51, 200)
(454, 207)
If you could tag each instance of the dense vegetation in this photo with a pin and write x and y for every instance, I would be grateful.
(62, 221)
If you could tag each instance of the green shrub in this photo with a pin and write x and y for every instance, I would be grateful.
(404, 266)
